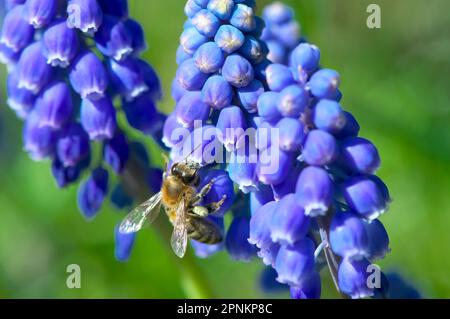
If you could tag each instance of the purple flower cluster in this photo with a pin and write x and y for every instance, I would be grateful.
(324, 193)
(219, 79)
(253, 107)
(74, 68)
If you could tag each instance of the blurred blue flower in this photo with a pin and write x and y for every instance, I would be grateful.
(123, 244)
(69, 62)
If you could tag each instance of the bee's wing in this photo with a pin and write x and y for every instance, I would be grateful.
(179, 235)
(146, 212)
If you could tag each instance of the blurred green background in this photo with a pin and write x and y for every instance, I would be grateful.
(395, 80)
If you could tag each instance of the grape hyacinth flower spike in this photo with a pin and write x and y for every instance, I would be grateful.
(218, 81)
(65, 90)
(330, 206)
(254, 107)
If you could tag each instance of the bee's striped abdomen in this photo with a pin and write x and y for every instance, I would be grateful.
(204, 231)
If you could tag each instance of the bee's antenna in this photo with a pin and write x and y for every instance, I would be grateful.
(192, 152)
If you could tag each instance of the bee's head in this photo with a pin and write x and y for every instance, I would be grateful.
(186, 172)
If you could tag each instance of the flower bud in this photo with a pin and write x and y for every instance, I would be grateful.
(295, 263)
(199, 146)
(190, 108)
(20, 100)
(242, 169)
(114, 39)
(39, 13)
(378, 240)
(33, 71)
(328, 116)
(293, 101)
(217, 92)
(324, 83)
(92, 193)
(291, 134)
(366, 197)
(190, 77)
(314, 191)
(348, 235)
(243, 18)
(191, 8)
(238, 71)
(85, 15)
(254, 50)
(138, 42)
(124, 244)
(39, 141)
(360, 155)
(305, 57)
(259, 225)
(221, 8)
(88, 76)
(320, 148)
(73, 145)
(289, 223)
(16, 32)
(232, 125)
(209, 58)
(206, 23)
(54, 107)
(127, 78)
(353, 277)
(98, 118)
(60, 44)
(229, 38)
(191, 40)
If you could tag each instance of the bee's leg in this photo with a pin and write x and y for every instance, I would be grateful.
(214, 207)
(166, 164)
(203, 192)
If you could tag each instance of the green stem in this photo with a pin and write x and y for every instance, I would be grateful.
(331, 258)
(193, 282)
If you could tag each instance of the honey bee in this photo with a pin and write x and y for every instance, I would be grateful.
(181, 202)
